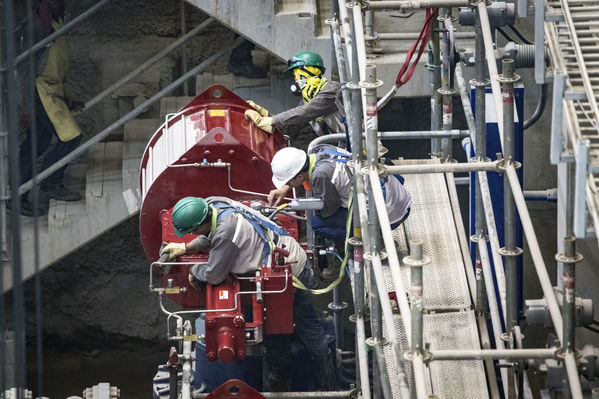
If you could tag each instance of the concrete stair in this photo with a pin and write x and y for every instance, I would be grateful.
(109, 184)
(284, 27)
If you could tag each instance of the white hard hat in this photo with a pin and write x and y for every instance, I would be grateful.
(286, 164)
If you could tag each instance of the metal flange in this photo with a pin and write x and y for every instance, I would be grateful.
(476, 83)
(371, 342)
(409, 261)
(505, 79)
(503, 164)
(475, 238)
(366, 85)
(338, 307)
(368, 255)
(355, 242)
(426, 356)
(566, 259)
(515, 252)
(446, 92)
(352, 86)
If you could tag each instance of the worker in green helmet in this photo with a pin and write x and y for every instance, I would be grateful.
(239, 240)
(320, 105)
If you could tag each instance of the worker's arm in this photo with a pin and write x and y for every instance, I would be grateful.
(322, 104)
(176, 249)
(276, 197)
(223, 253)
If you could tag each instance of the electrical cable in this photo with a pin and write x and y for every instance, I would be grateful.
(504, 34)
(520, 35)
(539, 109)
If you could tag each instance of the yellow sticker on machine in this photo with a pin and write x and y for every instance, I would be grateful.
(192, 338)
(217, 112)
(174, 290)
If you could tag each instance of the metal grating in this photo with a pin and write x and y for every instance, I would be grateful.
(445, 287)
(431, 220)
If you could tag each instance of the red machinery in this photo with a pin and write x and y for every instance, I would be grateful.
(209, 149)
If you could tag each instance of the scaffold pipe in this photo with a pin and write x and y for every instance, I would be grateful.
(393, 5)
(539, 263)
(492, 65)
(414, 35)
(492, 166)
(494, 310)
(506, 354)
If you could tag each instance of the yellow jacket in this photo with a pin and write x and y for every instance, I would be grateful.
(55, 93)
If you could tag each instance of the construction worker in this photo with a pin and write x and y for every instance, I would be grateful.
(239, 240)
(53, 104)
(320, 107)
(325, 173)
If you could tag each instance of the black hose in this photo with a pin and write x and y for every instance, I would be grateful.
(540, 107)
(504, 34)
(520, 35)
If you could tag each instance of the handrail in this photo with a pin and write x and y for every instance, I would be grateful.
(131, 115)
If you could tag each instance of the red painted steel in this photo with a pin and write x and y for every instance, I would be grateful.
(234, 389)
(229, 137)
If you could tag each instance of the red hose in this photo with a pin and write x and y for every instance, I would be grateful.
(405, 74)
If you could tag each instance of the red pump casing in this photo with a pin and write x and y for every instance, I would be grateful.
(188, 156)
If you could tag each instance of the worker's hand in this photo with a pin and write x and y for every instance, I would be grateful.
(77, 106)
(263, 122)
(195, 283)
(276, 197)
(261, 110)
(174, 249)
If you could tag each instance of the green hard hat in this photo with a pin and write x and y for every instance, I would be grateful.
(188, 214)
(304, 58)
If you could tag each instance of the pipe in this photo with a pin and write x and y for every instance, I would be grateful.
(491, 64)
(411, 4)
(131, 115)
(549, 195)
(507, 79)
(395, 135)
(187, 360)
(349, 394)
(414, 35)
(184, 48)
(539, 109)
(446, 89)
(569, 259)
(380, 373)
(436, 100)
(18, 305)
(155, 58)
(459, 77)
(493, 237)
(505, 354)
(362, 357)
(541, 269)
(50, 38)
(493, 309)
(441, 168)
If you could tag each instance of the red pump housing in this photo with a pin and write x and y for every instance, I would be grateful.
(209, 149)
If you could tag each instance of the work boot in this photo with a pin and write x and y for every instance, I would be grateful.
(246, 68)
(60, 192)
(27, 207)
(324, 373)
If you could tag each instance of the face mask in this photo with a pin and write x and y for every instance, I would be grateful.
(295, 89)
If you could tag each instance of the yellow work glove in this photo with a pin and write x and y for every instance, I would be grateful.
(261, 110)
(174, 249)
(263, 122)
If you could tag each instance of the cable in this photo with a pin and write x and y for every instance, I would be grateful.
(520, 35)
(504, 34)
(540, 107)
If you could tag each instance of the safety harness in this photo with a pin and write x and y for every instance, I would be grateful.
(260, 225)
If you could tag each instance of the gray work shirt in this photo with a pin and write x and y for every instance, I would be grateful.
(236, 247)
(322, 109)
(331, 182)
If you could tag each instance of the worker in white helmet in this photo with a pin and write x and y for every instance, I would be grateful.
(325, 173)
